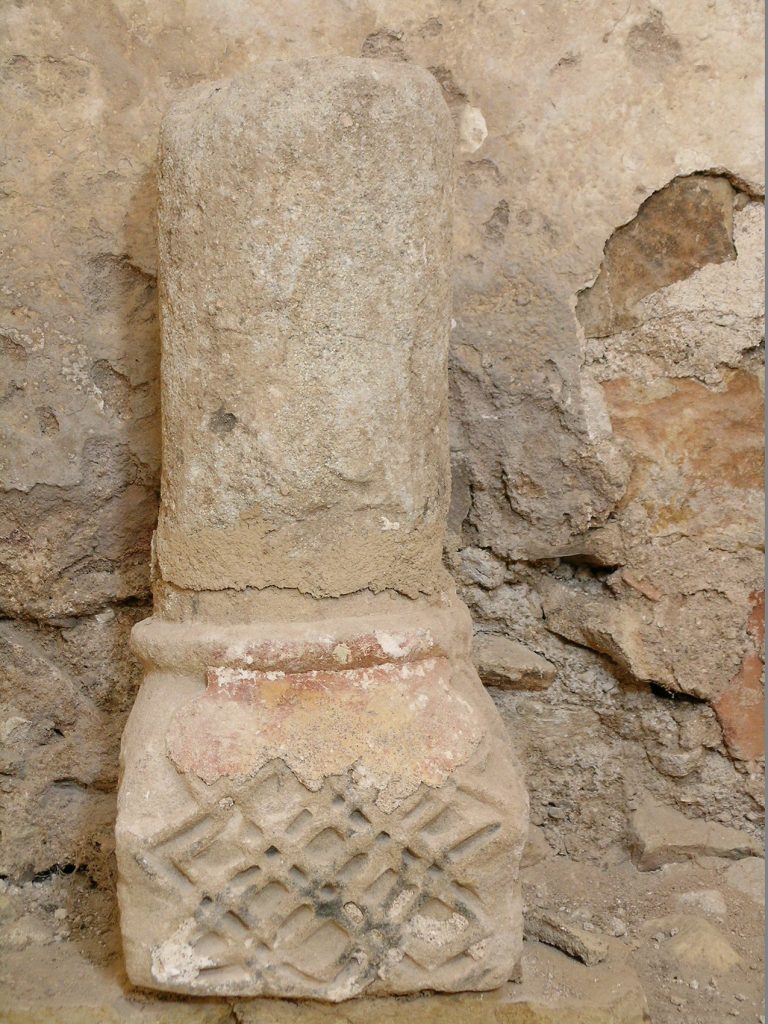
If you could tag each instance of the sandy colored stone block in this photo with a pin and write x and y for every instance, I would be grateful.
(318, 799)
(564, 935)
(693, 942)
(304, 365)
(662, 835)
(482, 567)
(509, 665)
(606, 625)
(748, 876)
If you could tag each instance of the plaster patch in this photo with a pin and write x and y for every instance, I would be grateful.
(400, 725)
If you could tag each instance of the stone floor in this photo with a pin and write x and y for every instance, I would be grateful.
(679, 944)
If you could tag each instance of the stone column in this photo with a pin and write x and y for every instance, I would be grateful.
(317, 796)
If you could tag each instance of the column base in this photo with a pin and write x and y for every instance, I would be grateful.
(317, 810)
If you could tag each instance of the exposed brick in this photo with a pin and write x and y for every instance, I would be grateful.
(741, 711)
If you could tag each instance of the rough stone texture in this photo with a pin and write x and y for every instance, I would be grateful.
(568, 119)
(677, 231)
(694, 942)
(575, 941)
(741, 707)
(329, 455)
(673, 326)
(506, 664)
(64, 947)
(317, 797)
(59, 740)
(710, 901)
(661, 835)
(748, 876)
(318, 832)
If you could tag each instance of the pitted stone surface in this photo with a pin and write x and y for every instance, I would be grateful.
(305, 235)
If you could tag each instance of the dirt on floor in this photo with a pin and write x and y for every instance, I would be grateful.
(688, 935)
(695, 941)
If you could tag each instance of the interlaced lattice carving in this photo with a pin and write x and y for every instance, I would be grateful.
(324, 888)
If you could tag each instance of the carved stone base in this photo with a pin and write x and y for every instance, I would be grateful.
(331, 813)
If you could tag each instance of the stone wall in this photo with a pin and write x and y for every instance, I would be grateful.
(606, 386)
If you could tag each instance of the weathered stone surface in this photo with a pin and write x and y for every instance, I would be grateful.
(706, 440)
(502, 662)
(693, 942)
(536, 848)
(673, 327)
(329, 456)
(741, 708)
(112, 79)
(710, 901)
(60, 742)
(661, 835)
(342, 887)
(748, 876)
(699, 327)
(674, 614)
(676, 232)
(482, 567)
(597, 620)
(564, 935)
(317, 799)
(741, 711)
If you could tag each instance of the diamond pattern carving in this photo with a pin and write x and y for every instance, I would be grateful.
(325, 887)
